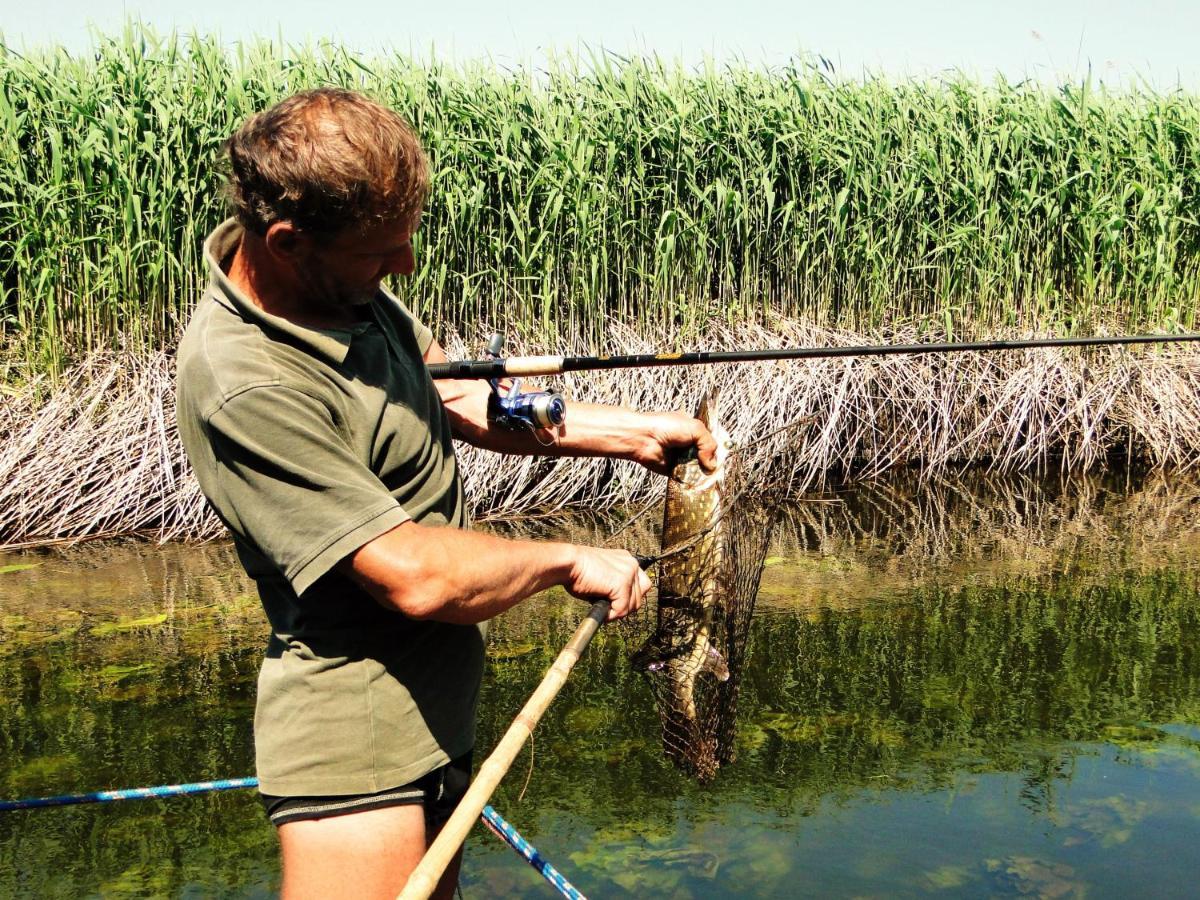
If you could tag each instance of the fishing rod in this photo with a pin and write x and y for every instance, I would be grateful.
(541, 407)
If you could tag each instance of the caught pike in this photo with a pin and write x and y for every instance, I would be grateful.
(691, 598)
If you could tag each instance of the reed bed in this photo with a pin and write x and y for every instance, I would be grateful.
(96, 452)
(604, 188)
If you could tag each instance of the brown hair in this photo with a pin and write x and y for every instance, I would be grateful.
(328, 160)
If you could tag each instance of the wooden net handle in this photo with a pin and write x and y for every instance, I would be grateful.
(424, 878)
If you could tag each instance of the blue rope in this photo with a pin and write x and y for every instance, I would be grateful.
(146, 793)
(490, 817)
(513, 838)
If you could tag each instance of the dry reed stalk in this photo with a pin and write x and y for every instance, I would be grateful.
(99, 453)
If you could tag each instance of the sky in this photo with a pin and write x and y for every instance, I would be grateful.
(1154, 41)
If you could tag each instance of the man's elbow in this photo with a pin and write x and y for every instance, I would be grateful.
(418, 598)
(397, 573)
(430, 597)
(408, 570)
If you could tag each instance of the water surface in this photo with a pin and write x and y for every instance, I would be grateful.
(990, 688)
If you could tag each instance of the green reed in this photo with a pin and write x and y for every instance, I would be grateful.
(605, 187)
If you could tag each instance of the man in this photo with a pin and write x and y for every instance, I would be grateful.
(319, 438)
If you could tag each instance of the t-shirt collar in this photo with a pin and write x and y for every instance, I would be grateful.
(331, 343)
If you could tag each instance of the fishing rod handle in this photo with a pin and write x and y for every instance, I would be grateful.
(533, 365)
(515, 366)
(587, 629)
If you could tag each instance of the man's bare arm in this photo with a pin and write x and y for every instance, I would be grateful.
(452, 575)
(590, 429)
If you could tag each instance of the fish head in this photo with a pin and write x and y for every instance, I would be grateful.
(708, 411)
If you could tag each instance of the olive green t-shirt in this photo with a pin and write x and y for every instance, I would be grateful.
(309, 443)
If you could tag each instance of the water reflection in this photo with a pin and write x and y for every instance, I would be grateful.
(993, 689)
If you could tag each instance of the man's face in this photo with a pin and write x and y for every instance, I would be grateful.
(346, 270)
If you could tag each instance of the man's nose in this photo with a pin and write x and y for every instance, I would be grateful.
(402, 262)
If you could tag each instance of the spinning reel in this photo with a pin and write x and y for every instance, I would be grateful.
(514, 409)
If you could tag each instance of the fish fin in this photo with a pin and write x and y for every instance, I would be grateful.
(706, 409)
(715, 663)
(654, 655)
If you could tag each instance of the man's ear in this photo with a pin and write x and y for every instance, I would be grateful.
(284, 241)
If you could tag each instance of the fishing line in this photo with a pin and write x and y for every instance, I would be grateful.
(758, 439)
(529, 773)
(628, 523)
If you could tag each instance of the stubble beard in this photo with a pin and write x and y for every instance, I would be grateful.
(338, 297)
(347, 298)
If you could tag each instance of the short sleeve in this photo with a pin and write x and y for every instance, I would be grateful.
(286, 480)
(423, 334)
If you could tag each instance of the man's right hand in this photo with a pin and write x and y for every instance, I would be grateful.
(613, 575)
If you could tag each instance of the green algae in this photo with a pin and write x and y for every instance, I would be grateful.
(123, 625)
(19, 633)
(115, 674)
(35, 773)
(644, 859)
(504, 652)
(17, 567)
(950, 877)
(1029, 876)
(590, 718)
(1108, 821)
(138, 880)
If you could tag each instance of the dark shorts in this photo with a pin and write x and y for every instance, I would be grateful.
(439, 791)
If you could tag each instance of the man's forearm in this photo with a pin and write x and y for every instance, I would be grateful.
(589, 430)
(453, 575)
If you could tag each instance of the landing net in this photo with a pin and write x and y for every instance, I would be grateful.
(690, 638)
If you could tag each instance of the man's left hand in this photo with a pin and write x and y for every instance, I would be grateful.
(670, 433)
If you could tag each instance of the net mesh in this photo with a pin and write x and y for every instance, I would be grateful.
(690, 637)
